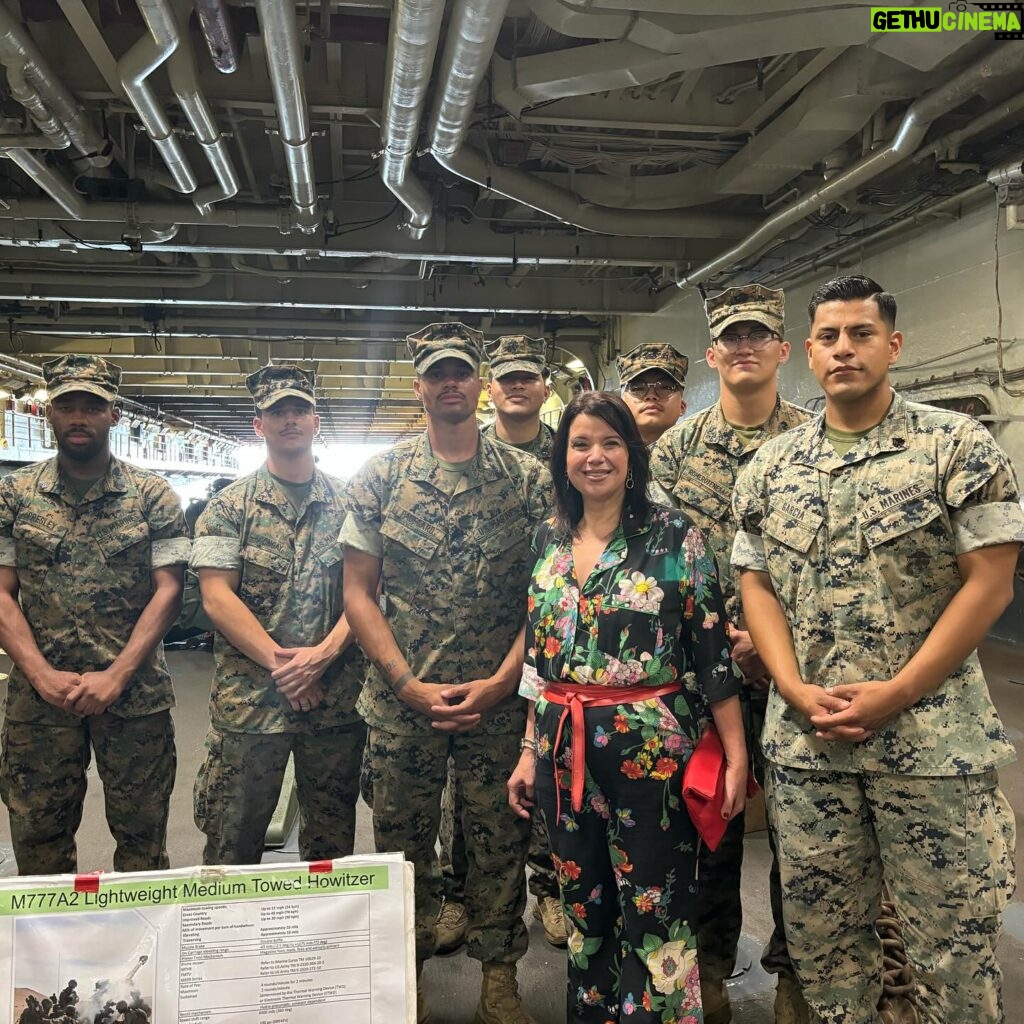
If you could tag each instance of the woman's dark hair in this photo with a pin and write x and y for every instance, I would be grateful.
(613, 410)
(849, 289)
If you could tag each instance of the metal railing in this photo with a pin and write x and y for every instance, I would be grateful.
(25, 437)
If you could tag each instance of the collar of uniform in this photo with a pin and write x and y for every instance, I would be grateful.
(269, 493)
(890, 435)
(114, 481)
(487, 464)
(721, 433)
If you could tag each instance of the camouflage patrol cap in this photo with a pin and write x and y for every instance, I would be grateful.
(269, 384)
(516, 353)
(445, 341)
(652, 356)
(81, 373)
(753, 302)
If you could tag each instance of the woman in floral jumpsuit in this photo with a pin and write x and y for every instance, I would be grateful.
(623, 603)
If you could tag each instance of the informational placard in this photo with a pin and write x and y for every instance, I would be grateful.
(269, 944)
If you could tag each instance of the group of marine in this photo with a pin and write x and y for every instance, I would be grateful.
(372, 630)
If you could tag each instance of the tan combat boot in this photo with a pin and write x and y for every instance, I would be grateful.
(714, 997)
(548, 910)
(790, 1005)
(499, 997)
(452, 923)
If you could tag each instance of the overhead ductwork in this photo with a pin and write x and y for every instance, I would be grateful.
(215, 23)
(18, 50)
(472, 32)
(650, 51)
(412, 44)
(50, 181)
(184, 77)
(1002, 60)
(284, 63)
(135, 67)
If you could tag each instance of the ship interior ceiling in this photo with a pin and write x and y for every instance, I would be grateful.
(195, 189)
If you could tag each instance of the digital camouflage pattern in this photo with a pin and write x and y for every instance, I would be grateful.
(652, 356)
(407, 782)
(269, 384)
(754, 302)
(540, 446)
(543, 881)
(948, 848)
(435, 342)
(696, 463)
(454, 569)
(290, 567)
(862, 552)
(516, 353)
(43, 782)
(238, 786)
(81, 373)
(85, 575)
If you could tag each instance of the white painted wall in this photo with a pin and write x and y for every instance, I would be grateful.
(944, 282)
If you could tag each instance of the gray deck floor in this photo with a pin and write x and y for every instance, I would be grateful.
(453, 981)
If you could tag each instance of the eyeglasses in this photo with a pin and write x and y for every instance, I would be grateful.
(756, 339)
(660, 388)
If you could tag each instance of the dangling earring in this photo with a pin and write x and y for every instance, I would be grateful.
(629, 479)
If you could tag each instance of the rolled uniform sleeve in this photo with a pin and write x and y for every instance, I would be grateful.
(218, 542)
(748, 510)
(7, 513)
(168, 531)
(361, 528)
(982, 494)
(704, 623)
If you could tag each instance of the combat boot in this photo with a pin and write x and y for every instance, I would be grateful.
(790, 1005)
(548, 910)
(452, 924)
(715, 998)
(499, 997)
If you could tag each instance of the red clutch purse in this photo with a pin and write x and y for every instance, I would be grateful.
(704, 788)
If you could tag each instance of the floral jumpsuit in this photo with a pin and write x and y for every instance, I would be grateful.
(650, 612)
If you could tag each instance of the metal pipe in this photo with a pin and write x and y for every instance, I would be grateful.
(284, 63)
(17, 45)
(412, 44)
(184, 78)
(472, 32)
(51, 128)
(215, 23)
(49, 180)
(25, 140)
(153, 213)
(952, 140)
(135, 67)
(115, 275)
(1002, 60)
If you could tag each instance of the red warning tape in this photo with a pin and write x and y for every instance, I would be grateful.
(321, 867)
(89, 882)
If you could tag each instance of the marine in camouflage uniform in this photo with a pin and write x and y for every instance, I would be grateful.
(652, 378)
(695, 464)
(873, 560)
(270, 548)
(448, 543)
(518, 388)
(95, 550)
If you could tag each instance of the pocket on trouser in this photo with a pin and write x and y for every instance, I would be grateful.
(205, 779)
(991, 841)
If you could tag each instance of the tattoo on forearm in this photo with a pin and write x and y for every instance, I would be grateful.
(386, 668)
(400, 682)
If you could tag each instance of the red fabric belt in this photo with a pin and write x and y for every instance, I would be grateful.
(573, 698)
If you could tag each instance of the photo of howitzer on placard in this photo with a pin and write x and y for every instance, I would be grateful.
(62, 975)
